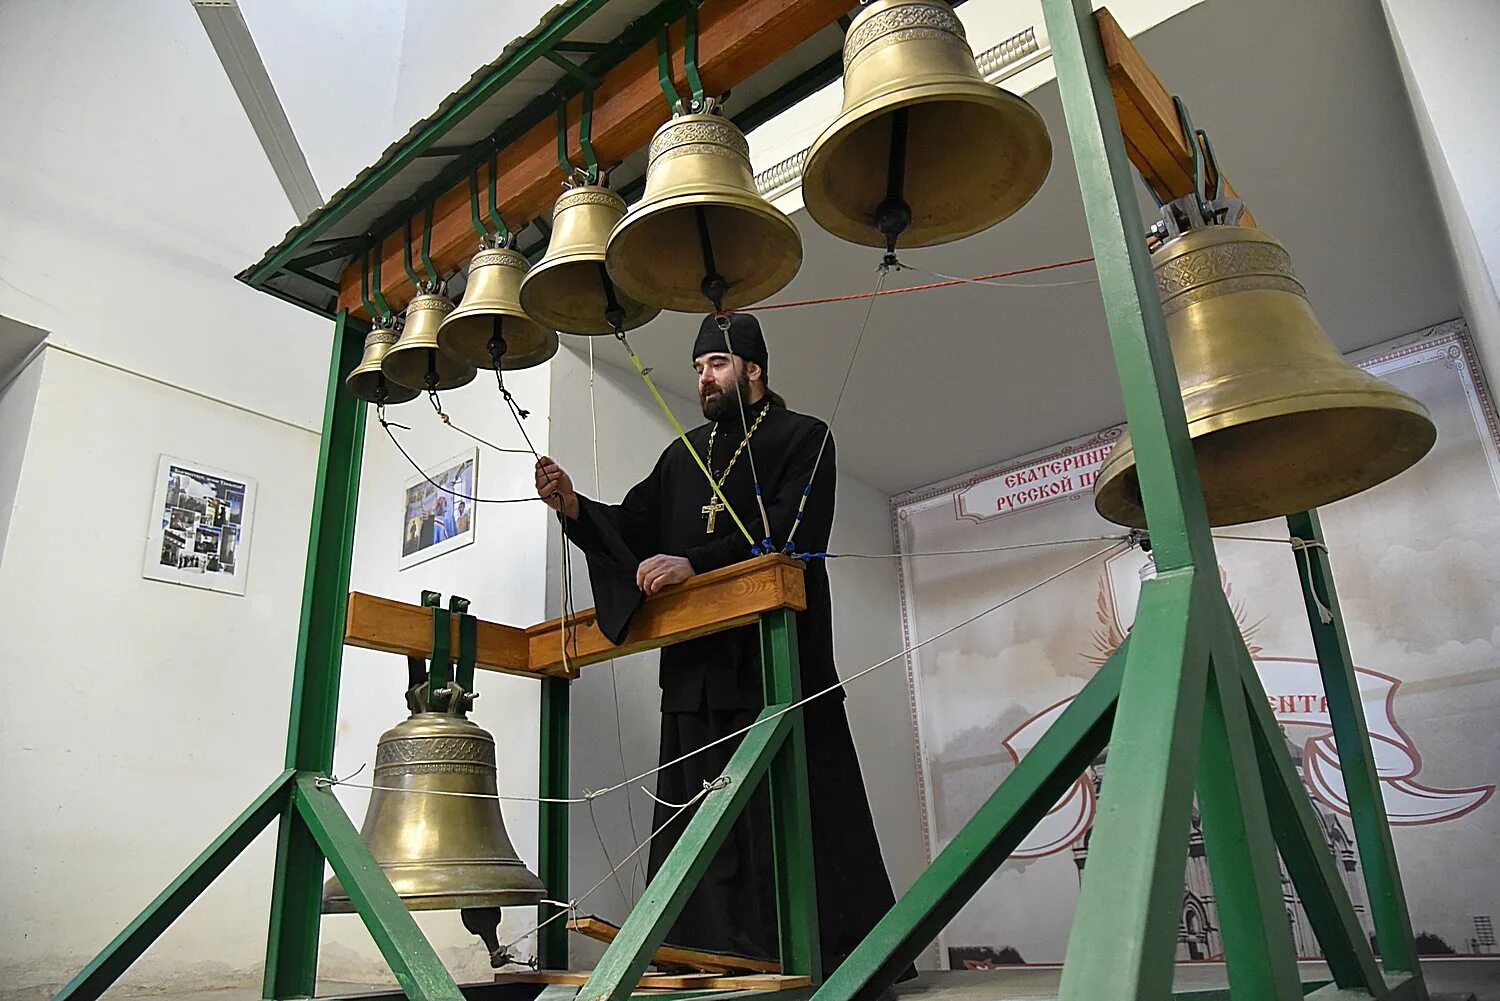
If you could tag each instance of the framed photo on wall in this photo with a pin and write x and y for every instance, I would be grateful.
(438, 509)
(200, 526)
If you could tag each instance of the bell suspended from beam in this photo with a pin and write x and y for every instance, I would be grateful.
(569, 289)
(702, 236)
(489, 329)
(924, 151)
(440, 851)
(1280, 422)
(367, 381)
(416, 361)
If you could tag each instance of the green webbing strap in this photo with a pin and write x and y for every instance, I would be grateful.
(411, 272)
(690, 56)
(586, 137)
(664, 70)
(502, 235)
(439, 668)
(432, 272)
(364, 287)
(681, 434)
(385, 308)
(563, 163)
(479, 230)
(468, 643)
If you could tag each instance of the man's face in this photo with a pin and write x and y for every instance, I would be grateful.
(718, 373)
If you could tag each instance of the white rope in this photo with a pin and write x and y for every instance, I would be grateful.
(1304, 548)
(972, 552)
(999, 284)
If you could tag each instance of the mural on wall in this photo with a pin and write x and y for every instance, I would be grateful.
(1413, 560)
(199, 533)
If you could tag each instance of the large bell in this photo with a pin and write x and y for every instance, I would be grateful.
(416, 361)
(924, 150)
(702, 235)
(489, 326)
(367, 381)
(440, 852)
(1280, 421)
(569, 289)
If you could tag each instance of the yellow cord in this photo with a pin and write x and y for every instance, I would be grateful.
(683, 436)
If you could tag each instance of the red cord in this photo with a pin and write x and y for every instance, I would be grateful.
(915, 288)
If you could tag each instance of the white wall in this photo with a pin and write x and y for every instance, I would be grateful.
(138, 718)
(631, 433)
(1447, 57)
(17, 402)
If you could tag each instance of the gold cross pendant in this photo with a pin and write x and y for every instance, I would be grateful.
(711, 511)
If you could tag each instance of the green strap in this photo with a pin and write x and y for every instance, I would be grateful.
(563, 163)
(479, 230)
(411, 272)
(432, 272)
(502, 235)
(468, 643)
(364, 285)
(375, 291)
(664, 70)
(690, 56)
(586, 138)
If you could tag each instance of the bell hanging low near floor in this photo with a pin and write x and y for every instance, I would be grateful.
(1280, 421)
(569, 289)
(702, 237)
(434, 823)
(924, 151)
(489, 327)
(416, 361)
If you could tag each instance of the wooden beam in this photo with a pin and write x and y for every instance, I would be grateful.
(735, 40)
(667, 981)
(1153, 137)
(709, 962)
(377, 623)
(708, 603)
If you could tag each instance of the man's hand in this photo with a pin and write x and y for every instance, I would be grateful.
(662, 571)
(555, 486)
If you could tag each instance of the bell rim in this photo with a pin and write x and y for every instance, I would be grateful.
(634, 318)
(696, 302)
(820, 206)
(395, 392)
(531, 332)
(463, 377)
(1109, 485)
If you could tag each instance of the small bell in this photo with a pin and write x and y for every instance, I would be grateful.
(489, 327)
(367, 381)
(416, 360)
(924, 151)
(569, 288)
(440, 851)
(1280, 421)
(702, 236)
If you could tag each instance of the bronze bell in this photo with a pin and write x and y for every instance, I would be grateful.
(367, 381)
(569, 288)
(702, 235)
(1280, 421)
(440, 851)
(489, 327)
(416, 361)
(924, 150)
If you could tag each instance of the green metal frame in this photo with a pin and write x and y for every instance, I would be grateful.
(1179, 706)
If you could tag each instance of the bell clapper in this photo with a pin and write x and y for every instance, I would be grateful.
(614, 313)
(485, 922)
(714, 286)
(496, 344)
(893, 216)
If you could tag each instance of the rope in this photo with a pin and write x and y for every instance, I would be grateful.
(983, 279)
(998, 284)
(960, 552)
(682, 435)
(1303, 548)
(387, 425)
(449, 421)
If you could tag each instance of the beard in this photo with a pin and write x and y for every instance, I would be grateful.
(717, 408)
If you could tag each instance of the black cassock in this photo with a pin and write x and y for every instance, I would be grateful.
(711, 686)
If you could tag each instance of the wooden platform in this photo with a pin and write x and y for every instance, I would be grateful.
(668, 981)
(671, 955)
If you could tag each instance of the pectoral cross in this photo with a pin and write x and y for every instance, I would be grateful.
(711, 511)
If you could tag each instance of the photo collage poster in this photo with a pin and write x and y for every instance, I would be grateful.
(200, 529)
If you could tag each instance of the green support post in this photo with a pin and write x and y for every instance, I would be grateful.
(552, 822)
(791, 813)
(1372, 829)
(296, 893)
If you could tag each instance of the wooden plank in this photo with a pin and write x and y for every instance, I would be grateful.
(735, 40)
(712, 962)
(708, 603)
(1153, 137)
(663, 981)
(377, 623)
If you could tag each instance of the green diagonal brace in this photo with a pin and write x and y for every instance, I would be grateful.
(1372, 829)
(94, 979)
(626, 958)
(1011, 812)
(406, 950)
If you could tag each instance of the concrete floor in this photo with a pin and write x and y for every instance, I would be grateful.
(1447, 980)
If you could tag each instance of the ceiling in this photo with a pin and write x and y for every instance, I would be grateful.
(1308, 116)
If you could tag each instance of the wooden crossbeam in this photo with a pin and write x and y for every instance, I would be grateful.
(707, 603)
(668, 981)
(735, 40)
(1153, 137)
(709, 963)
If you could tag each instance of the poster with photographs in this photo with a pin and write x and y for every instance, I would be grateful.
(200, 526)
(438, 514)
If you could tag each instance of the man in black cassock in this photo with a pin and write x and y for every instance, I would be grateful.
(669, 527)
